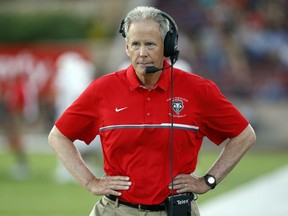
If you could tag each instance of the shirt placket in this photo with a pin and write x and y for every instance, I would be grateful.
(148, 108)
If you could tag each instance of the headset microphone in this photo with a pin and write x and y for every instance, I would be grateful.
(153, 69)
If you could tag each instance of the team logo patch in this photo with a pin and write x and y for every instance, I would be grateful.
(177, 105)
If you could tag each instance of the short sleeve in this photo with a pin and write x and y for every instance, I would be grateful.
(79, 121)
(220, 119)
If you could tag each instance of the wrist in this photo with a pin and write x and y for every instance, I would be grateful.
(88, 184)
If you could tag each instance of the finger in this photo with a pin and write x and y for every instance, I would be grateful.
(183, 190)
(181, 176)
(115, 177)
(119, 180)
(114, 183)
(180, 180)
(112, 192)
(119, 187)
(178, 186)
(175, 187)
(122, 178)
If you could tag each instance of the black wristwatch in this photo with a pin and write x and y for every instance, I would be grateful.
(210, 180)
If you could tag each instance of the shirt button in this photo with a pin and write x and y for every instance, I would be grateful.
(148, 98)
(148, 114)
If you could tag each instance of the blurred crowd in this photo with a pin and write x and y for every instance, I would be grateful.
(240, 44)
(35, 88)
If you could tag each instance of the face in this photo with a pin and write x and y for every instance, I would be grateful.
(145, 45)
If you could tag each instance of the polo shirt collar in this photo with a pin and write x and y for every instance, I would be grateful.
(163, 82)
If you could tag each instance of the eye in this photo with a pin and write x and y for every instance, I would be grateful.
(135, 45)
(150, 45)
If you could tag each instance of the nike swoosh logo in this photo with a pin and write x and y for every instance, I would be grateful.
(120, 109)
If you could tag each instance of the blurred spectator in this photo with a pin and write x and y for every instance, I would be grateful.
(74, 73)
(13, 101)
(273, 90)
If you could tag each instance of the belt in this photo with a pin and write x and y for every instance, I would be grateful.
(160, 207)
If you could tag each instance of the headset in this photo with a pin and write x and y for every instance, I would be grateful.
(170, 40)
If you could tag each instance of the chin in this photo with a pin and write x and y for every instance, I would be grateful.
(140, 70)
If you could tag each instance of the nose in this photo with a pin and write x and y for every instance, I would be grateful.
(143, 51)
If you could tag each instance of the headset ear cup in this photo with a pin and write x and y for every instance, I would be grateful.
(169, 44)
(171, 39)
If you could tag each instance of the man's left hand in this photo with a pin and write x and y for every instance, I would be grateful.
(184, 183)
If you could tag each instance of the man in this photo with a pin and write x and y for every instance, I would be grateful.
(150, 133)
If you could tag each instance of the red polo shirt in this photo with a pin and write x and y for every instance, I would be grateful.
(134, 126)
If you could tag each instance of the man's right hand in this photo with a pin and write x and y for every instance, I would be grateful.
(108, 185)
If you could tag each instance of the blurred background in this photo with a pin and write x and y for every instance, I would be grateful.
(51, 50)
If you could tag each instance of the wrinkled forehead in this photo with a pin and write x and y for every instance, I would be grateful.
(147, 28)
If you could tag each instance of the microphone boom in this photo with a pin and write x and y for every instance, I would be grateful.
(152, 69)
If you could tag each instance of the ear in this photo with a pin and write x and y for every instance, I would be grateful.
(127, 49)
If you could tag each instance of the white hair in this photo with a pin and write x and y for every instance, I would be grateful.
(142, 13)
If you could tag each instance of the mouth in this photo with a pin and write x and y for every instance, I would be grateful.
(144, 65)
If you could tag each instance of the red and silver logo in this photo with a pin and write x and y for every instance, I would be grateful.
(177, 106)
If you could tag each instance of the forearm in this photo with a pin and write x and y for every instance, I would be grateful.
(72, 160)
(69, 156)
(232, 153)
(228, 159)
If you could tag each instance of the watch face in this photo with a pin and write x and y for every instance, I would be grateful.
(211, 180)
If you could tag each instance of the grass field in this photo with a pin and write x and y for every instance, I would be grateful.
(40, 195)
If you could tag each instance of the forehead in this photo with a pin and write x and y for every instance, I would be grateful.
(144, 29)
